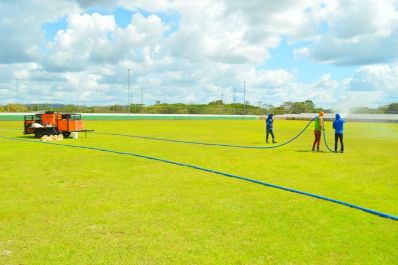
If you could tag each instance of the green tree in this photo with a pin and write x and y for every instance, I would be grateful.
(309, 106)
(391, 108)
(16, 108)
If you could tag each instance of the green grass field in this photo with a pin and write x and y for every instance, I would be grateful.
(62, 205)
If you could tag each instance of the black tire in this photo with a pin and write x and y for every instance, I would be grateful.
(39, 133)
(66, 134)
(48, 131)
(52, 131)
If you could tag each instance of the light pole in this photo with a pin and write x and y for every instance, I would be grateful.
(234, 100)
(244, 99)
(164, 95)
(17, 90)
(222, 99)
(128, 93)
(142, 99)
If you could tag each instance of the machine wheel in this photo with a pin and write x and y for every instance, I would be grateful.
(51, 131)
(39, 133)
(66, 134)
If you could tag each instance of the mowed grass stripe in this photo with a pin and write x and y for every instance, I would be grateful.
(60, 206)
(357, 207)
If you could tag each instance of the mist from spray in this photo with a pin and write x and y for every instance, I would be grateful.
(356, 99)
(366, 99)
(344, 109)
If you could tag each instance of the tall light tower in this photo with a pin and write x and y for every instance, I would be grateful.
(142, 99)
(128, 92)
(17, 90)
(222, 101)
(244, 98)
(233, 108)
(164, 95)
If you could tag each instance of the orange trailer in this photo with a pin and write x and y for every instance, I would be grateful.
(53, 123)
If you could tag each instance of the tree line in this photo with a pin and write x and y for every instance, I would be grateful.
(214, 107)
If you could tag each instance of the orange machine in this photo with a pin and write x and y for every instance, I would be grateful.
(51, 123)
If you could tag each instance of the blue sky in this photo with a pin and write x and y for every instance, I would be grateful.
(308, 71)
(280, 57)
(335, 53)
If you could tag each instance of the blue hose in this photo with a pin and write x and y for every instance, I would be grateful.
(320, 197)
(211, 144)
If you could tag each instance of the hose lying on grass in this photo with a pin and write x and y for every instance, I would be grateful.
(211, 144)
(320, 197)
(223, 145)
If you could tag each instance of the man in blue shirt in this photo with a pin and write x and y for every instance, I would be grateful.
(270, 130)
(338, 126)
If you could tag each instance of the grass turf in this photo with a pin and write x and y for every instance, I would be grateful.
(62, 205)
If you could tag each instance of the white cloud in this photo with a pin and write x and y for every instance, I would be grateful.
(372, 86)
(96, 3)
(72, 48)
(214, 47)
(382, 78)
(370, 18)
(20, 29)
(358, 33)
(232, 32)
(301, 52)
(267, 18)
(95, 39)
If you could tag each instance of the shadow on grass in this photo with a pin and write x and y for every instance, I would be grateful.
(32, 137)
(11, 129)
(310, 151)
(26, 137)
(304, 151)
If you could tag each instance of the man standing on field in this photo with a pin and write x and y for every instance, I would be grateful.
(338, 132)
(318, 130)
(270, 128)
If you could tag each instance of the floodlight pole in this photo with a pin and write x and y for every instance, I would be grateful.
(142, 99)
(17, 90)
(128, 93)
(164, 97)
(234, 100)
(222, 101)
(244, 99)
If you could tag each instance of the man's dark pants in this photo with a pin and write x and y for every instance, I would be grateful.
(270, 131)
(338, 136)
